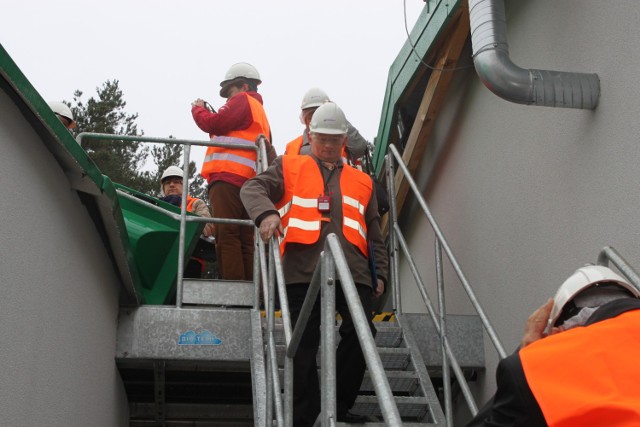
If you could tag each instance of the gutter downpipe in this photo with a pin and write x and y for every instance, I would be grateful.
(531, 87)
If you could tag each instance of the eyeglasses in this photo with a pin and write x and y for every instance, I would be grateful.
(172, 180)
(328, 139)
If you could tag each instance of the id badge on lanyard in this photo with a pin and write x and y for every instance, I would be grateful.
(324, 203)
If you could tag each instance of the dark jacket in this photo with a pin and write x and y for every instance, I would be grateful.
(513, 403)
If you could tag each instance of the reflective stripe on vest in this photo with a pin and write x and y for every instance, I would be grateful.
(354, 224)
(588, 376)
(232, 140)
(298, 208)
(305, 203)
(230, 157)
(238, 161)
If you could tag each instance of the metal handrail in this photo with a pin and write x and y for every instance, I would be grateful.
(332, 260)
(260, 148)
(609, 254)
(396, 241)
(445, 245)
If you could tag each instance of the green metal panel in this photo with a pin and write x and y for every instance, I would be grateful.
(154, 239)
(434, 18)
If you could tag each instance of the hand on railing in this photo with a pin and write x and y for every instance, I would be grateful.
(267, 143)
(269, 227)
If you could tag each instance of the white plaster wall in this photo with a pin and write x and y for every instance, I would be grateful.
(58, 294)
(527, 194)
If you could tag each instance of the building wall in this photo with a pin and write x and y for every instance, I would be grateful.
(59, 294)
(525, 195)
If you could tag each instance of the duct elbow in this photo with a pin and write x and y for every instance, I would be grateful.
(536, 87)
(531, 87)
(503, 77)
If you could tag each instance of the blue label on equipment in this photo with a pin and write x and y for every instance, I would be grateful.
(203, 338)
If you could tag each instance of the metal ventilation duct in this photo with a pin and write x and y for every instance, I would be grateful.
(515, 84)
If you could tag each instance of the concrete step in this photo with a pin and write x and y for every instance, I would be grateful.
(226, 293)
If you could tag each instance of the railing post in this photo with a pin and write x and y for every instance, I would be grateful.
(274, 250)
(393, 244)
(431, 311)
(183, 225)
(446, 375)
(328, 343)
(367, 343)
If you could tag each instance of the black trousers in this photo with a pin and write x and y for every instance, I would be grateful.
(350, 363)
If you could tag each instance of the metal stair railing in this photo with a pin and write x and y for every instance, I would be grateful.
(324, 279)
(272, 275)
(261, 164)
(396, 241)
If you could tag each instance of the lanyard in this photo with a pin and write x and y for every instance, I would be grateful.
(326, 182)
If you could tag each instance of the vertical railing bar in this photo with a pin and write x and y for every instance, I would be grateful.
(183, 225)
(367, 344)
(276, 381)
(286, 323)
(431, 311)
(393, 245)
(271, 317)
(446, 375)
(328, 336)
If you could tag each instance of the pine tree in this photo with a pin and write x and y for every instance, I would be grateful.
(121, 161)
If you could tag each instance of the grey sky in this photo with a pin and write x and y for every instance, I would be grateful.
(168, 53)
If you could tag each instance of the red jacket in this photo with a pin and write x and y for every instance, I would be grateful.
(235, 115)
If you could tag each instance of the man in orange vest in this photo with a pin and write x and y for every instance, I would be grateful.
(239, 122)
(578, 360)
(171, 192)
(314, 98)
(304, 199)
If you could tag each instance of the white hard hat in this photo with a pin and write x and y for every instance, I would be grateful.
(62, 109)
(329, 119)
(314, 98)
(238, 71)
(584, 278)
(170, 171)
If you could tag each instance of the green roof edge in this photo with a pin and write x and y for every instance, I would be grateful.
(431, 23)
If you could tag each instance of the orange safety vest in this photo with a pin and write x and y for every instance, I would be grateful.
(237, 161)
(298, 208)
(588, 376)
(190, 202)
(294, 147)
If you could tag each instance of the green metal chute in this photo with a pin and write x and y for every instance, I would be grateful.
(154, 238)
